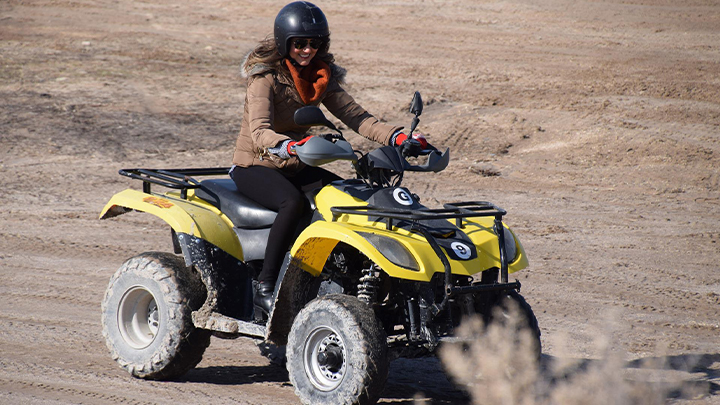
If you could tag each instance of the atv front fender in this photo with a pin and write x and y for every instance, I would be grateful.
(316, 242)
(192, 216)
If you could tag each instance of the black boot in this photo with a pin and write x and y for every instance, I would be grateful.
(263, 299)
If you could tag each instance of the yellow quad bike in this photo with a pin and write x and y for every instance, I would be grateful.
(372, 275)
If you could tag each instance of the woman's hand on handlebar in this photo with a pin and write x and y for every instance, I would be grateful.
(292, 144)
(401, 138)
(413, 146)
(416, 146)
(286, 149)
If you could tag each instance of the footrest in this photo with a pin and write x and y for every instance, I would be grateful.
(221, 323)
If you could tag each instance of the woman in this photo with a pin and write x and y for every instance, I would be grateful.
(286, 72)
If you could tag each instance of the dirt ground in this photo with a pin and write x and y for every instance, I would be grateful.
(595, 123)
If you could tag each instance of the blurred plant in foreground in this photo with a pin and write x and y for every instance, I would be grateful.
(498, 365)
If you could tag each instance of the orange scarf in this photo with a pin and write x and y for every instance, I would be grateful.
(310, 81)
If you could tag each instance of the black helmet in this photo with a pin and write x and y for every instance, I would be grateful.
(299, 19)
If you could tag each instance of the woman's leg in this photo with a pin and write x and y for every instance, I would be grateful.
(271, 189)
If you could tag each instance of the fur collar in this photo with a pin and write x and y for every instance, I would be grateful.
(337, 73)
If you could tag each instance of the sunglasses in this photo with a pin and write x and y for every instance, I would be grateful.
(303, 43)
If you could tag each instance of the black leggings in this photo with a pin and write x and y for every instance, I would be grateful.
(271, 189)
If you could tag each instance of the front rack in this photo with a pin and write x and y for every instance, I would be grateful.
(457, 211)
(179, 179)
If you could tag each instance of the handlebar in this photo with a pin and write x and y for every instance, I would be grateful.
(436, 161)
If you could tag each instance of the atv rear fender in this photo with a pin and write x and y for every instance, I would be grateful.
(191, 216)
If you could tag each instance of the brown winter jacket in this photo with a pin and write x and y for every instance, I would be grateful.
(270, 102)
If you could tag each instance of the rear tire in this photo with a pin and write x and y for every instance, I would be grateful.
(146, 316)
(337, 352)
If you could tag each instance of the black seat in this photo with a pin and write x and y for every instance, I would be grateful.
(242, 211)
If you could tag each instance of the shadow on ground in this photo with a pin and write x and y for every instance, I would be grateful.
(686, 376)
(409, 379)
(236, 375)
(424, 380)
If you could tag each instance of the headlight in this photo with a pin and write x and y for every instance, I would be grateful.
(393, 250)
(510, 246)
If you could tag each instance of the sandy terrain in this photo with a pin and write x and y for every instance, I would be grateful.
(596, 124)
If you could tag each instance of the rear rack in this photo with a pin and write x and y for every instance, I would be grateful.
(179, 179)
(457, 211)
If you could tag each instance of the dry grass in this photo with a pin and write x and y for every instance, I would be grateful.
(499, 367)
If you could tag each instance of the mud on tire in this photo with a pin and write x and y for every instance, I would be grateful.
(337, 352)
(146, 316)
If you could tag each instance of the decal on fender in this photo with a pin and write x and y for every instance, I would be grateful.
(158, 202)
(461, 250)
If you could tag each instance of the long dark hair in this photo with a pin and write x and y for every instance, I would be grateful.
(266, 53)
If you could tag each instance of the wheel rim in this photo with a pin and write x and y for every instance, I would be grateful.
(324, 358)
(138, 317)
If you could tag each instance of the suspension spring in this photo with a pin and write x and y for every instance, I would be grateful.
(369, 284)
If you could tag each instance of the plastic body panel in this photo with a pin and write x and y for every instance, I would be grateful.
(191, 216)
(315, 243)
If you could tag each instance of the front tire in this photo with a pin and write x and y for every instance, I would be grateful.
(146, 317)
(504, 307)
(507, 310)
(337, 352)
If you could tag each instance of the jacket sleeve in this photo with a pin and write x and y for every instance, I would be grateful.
(344, 107)
(261, 111)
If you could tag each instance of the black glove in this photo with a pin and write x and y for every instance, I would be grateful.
(411, 147)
